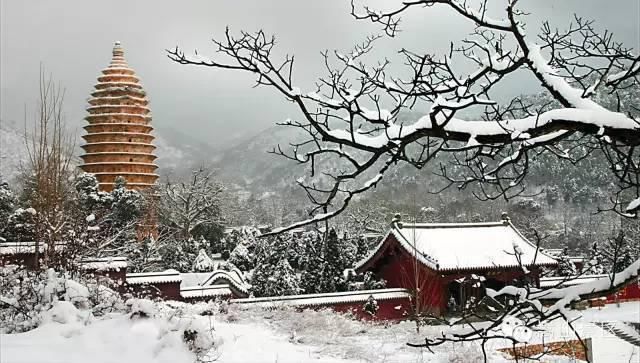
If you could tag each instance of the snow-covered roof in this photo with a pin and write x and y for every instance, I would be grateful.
(12, 248)
(153, 277)
(205, 291)
(327, 299)
(191, 279)
(103, 263)
(460, 246)
(233, 277)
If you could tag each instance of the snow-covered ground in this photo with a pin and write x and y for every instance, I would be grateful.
(255, 335)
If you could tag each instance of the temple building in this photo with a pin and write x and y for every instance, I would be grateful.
(449, 265)
(119, 140)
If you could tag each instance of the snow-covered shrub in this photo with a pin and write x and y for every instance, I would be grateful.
(27, 296)
(141, 308)
(103, 299)
(371, 306)
(203, 262)
(21, 299)
(198, 334)
(65, 312)
(21, 225)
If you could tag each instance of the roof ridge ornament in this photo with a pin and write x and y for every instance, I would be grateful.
(397, 220)
(118, 51)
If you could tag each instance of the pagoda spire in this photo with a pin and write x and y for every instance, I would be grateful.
(118, 141)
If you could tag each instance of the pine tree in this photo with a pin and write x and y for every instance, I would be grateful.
(241, 257)
(596, 263)
(565, 266)
(127, 204)
(273, 275)
(313, 279)
(362, 248)
(339, 255)
(89, 197)
(324, 270)
(21, 225)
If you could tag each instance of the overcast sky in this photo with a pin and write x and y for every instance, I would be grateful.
(73, 39)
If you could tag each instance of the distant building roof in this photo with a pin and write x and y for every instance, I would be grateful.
(463, 246)
(153, 277)
(103, 263)
(12, 248)
(191, 279)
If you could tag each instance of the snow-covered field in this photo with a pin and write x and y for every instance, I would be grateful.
(255, 335)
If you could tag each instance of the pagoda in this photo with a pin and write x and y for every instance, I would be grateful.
(119, 140)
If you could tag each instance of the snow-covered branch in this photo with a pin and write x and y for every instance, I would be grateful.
(356, 115)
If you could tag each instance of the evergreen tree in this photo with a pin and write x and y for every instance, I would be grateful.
(371, 283)
(127, 205)
(596, 262)
(565, 266)
(178, 255)
(621, 250)
(274, 280)
(313, 279)
(241, 257)
(273, 275)
(89, 198)
(324, 270)
(21, 225)
(203, 262)
(362, 248)
(624, 261)
(8, 203)
(143, 255)
(338, 255)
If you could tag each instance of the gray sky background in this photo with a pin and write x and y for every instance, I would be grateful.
(73, 39)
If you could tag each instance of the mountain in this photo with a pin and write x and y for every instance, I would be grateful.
(249, 165)
(13, 151)
(178, 152)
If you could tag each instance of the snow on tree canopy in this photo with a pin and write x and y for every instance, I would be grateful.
(453, 246)
(203, 262)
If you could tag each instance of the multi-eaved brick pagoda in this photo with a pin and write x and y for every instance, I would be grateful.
(118, 139)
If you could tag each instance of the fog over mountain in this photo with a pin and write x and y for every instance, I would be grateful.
(73, 39)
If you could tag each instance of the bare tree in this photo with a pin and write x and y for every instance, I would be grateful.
(191, 204)
(352, 115)
(48, 168)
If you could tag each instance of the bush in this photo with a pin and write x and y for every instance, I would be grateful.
(25, 297)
